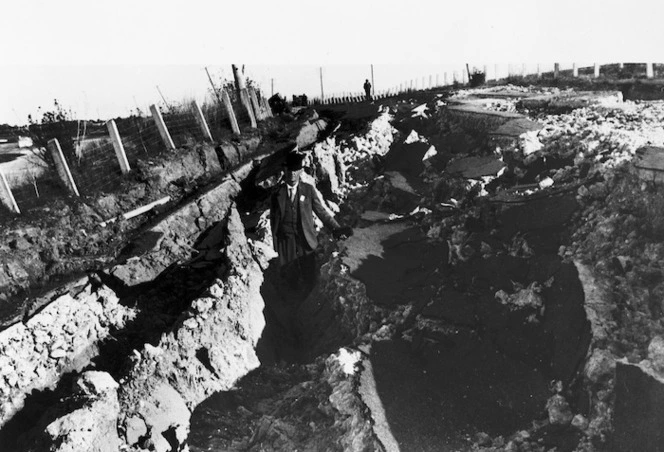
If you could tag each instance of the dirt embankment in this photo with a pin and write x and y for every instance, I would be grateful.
(138, 293)
(46, 247)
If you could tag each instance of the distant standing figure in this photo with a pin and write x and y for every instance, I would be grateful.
(293, 233)
(367, 89)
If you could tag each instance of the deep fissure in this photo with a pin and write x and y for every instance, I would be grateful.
(463, 319)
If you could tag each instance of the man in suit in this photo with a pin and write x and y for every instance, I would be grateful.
(291, 217)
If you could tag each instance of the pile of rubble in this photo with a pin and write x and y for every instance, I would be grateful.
(592, 153)
(526, 185)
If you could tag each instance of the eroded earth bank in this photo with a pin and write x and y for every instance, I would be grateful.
(501, 291)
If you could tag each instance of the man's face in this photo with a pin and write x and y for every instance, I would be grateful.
(293, 176)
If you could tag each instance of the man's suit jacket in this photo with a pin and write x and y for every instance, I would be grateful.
(309, 200)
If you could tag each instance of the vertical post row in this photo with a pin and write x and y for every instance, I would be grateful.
(230, 112)
(6, 195)
(161, 126)
(254, 103)
(650, 72)
(117, 145)
(200, 119)
(244, 98)
(61, 166)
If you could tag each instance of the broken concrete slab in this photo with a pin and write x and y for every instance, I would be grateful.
(504, 94)
(429, 404)
(498, 117)
(516, 127)
(566, 101)
(476, 167)
(374, 215)
(648, 163)
(639, 410)
(395, 261)
(309, 132)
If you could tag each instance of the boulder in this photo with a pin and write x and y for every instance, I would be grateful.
(92, 427)
(166, 416)
(559, 411)
(600, 365)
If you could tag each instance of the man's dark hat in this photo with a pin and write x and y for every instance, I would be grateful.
(294, 161)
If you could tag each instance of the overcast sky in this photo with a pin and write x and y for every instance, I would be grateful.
(102, 59)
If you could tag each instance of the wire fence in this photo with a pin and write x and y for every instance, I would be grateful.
(218, 121)
(31, 189)
(140, 138)
(184, 129)
(97, 169)
(91, 155)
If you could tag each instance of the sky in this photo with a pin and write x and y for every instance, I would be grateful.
(105, 59)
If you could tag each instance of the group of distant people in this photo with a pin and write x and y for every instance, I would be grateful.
(279, 105)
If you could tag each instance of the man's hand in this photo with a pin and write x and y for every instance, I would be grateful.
(342, 233)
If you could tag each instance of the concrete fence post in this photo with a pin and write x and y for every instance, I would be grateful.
(268, 110)
(266, 114)
(621, 65)
(430, 81)
(6, 195)
(650, 72)
(254, 103)
(254, 100)
(200, 119)
(118, 146)
(486, 74)
(575, 70)
(161, 126)
(539, 71)
(596, 70)
(244, 97)
(61, 166)
(556, 70)
(229, 111)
